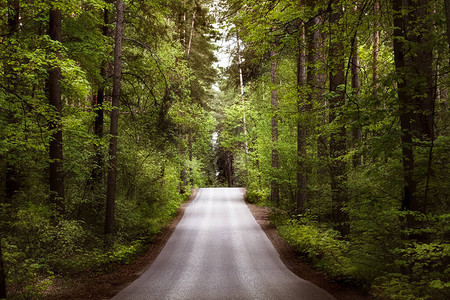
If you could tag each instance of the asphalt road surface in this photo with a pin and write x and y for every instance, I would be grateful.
(218, 251)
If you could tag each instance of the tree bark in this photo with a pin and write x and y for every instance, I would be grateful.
(376, 49)
(184, 25)
(191, 34)
(303, 108)
(274, 190)
(447, 18)
(338, 173)
(56, 177)
(99, 112)
(423, 67)
(117, 75)
(229, 166)
(322, 140)
(415, 90)
(241, 82)
(191, 174)
(409, 201)
(183, 181)
(188, 55)
(98, 125)
(356, 85)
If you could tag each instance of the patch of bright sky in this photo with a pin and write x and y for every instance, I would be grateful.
(223, 45)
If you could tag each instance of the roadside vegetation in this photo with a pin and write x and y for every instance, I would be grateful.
(338, 118)
(105, 127)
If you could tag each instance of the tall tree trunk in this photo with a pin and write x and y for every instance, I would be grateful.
(303, 108)
(184, 25)
(322, 140)
(415, 100)
(376, 49)
(191, 174)
(447, 18)
(423, 67)
(409, 201)
(56, 142)
(191, 35)
(117, 75)
(338, 135)
(96, 181)
(229, 166)
(188, 55)
(241, 82)
(98, 125)
(356, 85)
(183, 181)
(98, 108)
(274, 190)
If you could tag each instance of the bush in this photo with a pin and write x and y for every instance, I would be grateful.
(422, 271)
(413, 270)
(322, 247)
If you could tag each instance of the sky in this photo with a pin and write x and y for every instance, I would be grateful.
(223, 51)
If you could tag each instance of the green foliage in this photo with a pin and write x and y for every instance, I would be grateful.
(428, 276)
(25, 276)
(411, 245)
(320, 246)
(426, 262)
(164, 100)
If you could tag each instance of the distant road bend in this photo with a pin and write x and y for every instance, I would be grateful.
(218, 251)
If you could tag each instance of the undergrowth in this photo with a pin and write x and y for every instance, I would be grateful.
(73, 249)
(410, 270)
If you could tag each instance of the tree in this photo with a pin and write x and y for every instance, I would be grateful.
(274, 189)
(98, 106)
(376, 48)
(188, 54)
(356, 86)
(117, 74)
(413, 65)
(302, 126)
(241, 84)
(56, 142)
(338, 174)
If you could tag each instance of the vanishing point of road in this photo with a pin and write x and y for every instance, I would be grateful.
(218, 251)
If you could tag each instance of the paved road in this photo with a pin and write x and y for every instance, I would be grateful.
(218, 251)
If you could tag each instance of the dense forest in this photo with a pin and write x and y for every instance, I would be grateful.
(333, 112)
(338, 116)
(105, 126)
